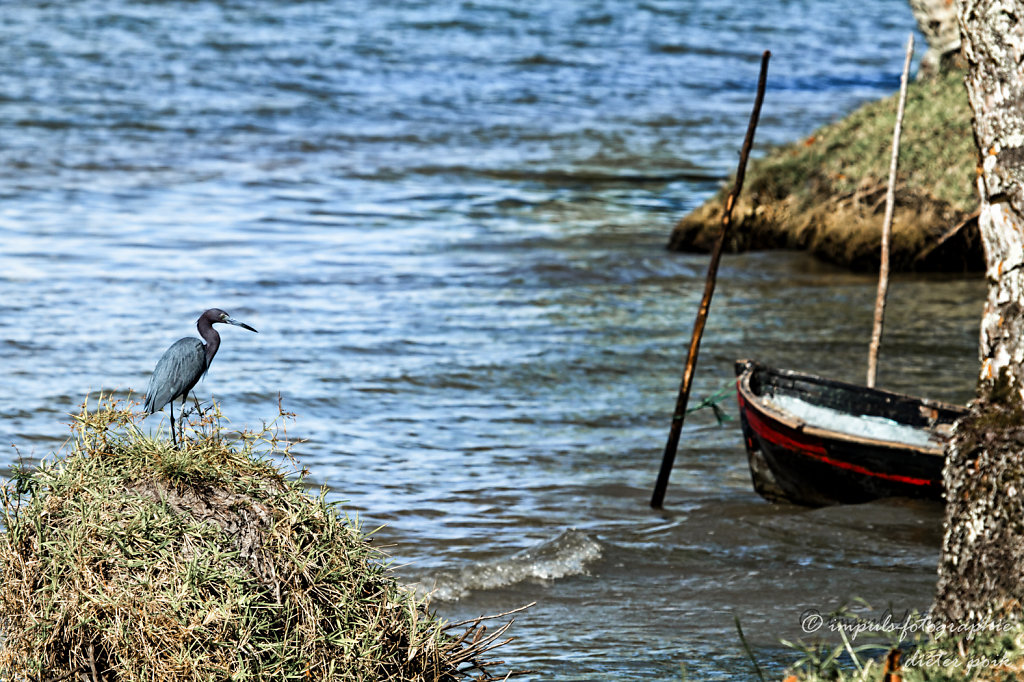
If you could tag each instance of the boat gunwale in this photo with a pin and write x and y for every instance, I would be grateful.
(792, 421)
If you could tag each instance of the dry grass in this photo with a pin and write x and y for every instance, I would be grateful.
(127, 559)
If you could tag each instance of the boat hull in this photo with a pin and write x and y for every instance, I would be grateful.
(792, 461)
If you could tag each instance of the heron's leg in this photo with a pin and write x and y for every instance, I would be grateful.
(173, 439)
(181, 418)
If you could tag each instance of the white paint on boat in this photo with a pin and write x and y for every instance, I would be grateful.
(861, 426)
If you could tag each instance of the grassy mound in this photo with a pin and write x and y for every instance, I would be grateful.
(826, 194)
(129, 559)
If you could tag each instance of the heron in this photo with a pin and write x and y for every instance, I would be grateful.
(185, 363)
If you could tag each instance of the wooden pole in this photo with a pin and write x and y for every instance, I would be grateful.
(890, 200)
(669, 457)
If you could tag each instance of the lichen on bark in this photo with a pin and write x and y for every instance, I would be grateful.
(983, 541)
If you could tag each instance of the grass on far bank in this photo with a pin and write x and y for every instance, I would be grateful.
(826, 193)
(126, 558)
(937, 152)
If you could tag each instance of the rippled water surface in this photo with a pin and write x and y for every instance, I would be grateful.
(447, 220)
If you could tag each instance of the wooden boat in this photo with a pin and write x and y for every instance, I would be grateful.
(816, 441)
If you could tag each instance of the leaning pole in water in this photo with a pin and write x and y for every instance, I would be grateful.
(668, 459)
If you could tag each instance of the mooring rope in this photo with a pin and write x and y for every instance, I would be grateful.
(726, 391)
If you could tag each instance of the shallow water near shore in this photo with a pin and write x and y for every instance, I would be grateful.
(447, 221)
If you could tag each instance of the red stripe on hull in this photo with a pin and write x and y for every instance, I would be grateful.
(817, 451)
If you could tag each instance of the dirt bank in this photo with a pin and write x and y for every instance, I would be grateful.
(826, 193)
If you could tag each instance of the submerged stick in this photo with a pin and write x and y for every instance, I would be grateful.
(890, 200)
(709, 289)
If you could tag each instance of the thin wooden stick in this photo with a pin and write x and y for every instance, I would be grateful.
(92, 664)
(668, 459)
(62, 677)
(479, 619)
(890, 200)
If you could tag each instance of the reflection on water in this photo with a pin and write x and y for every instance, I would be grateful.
(448, 220)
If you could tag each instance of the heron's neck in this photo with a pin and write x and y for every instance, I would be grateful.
(210, 336)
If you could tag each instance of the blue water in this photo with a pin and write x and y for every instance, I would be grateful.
(448, 220)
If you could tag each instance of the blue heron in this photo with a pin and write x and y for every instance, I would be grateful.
(185, 363)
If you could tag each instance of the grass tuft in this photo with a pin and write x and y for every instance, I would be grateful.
(125, 558)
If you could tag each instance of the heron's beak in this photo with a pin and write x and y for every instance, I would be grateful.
(243, 325)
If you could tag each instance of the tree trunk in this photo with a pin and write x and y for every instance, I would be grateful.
(936, 19)
(981, 570)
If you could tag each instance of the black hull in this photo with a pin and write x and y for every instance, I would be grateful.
(791, 461)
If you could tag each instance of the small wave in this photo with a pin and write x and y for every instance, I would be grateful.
(570, 176)
(565, 555)
(538, 59)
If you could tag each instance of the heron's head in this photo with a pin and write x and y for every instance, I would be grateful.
(218, 316)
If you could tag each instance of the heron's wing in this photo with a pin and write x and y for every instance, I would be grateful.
(177, 371)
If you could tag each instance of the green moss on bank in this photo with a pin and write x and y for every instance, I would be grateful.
(826, 193)
(127, 559)
(937, 154)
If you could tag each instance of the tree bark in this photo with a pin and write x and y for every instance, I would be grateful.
(936, 19)
(981, 570)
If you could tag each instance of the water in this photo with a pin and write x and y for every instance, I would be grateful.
(447, 220)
